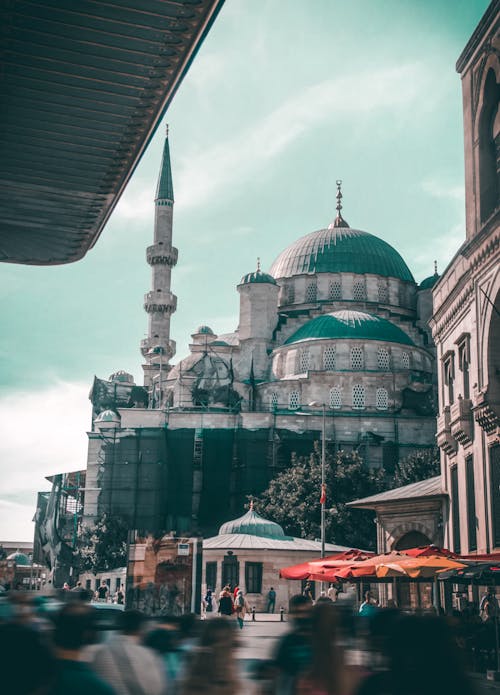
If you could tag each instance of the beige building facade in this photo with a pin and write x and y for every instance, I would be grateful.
(466, 315)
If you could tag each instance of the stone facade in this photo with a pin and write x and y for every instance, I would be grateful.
(466, 320)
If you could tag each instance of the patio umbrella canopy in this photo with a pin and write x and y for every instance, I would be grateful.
(426, 561)
(423, 566)
(306, 570)
(474, 573)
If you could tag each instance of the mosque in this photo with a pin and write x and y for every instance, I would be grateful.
(333, 338)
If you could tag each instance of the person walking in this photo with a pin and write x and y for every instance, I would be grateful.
(75, 630)
(293, 651)
(125, 664)
(212, 667)
(308, 592)
(226, 607)
(102, 592)
(209, 601)
(369, 605)
(271, 600)
(240, 607)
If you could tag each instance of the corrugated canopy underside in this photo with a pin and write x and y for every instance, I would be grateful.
(83, 87)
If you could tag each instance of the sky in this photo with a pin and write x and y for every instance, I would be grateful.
(281, 100)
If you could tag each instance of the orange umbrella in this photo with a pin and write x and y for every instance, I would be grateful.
(425, 566)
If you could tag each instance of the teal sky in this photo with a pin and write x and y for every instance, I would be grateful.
(282, 99)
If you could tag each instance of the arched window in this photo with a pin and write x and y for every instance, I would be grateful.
(382, 399)
(311, 292)
(405, 360)
(304, 360)
(335, 290)
(290, 294)
(383, 358)
(489, 147)
(358, 397)
(358, 291)
(335, 398)
(274, 400)
(357, 361)
(383, 293)
(329, 358)
(293, 400)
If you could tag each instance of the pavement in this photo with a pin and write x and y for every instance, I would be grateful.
(257, 640)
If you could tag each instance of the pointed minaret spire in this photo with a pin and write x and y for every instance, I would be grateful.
(339, 220)
(165, 188)
(258, 264)
(435, 268)
(160, 303)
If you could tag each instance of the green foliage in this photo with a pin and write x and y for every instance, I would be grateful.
(293, 499)
(103, 546)
(419, 466)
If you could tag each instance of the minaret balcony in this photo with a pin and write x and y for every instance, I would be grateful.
(158, 254)
(157, 351)
(461, 421)
(444, 437)
(485, 414)
(160, 301)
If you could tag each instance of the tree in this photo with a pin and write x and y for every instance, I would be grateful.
(103, 546)
(415, 467)
(293, 498)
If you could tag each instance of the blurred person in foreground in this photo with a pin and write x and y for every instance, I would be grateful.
(212, 668)
(327, 673)
(74, 630)
(164, 639)
(293, 653)
(27, 664)
(128, 666)
(422, 659)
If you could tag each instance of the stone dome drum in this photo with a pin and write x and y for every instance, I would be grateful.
(355, 325)
(341, 249)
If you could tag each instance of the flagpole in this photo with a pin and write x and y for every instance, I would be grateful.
(323, 491)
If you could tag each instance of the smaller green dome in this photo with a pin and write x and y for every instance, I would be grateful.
(204, 330)
(355, 325)
(20, 559)
(429, 282)
(253, 524)
(257, 276)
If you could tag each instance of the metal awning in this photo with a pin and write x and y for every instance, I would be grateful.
(83, 86)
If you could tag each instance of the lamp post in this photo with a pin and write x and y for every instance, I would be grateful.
(323, 490)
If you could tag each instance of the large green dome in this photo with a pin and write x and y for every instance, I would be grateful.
(253, 524)
(338, 250)
(356, 325)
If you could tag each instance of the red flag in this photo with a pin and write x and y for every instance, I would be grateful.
(322, 499)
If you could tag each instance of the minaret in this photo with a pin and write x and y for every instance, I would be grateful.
(160, 303)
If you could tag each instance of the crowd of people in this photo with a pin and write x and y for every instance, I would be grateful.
(328, 649)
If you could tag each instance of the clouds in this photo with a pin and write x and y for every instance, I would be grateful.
(43, 432)
(205, 174)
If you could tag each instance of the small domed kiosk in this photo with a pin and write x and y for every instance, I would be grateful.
(249, 552)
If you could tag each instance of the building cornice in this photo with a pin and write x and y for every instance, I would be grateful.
(485, 24)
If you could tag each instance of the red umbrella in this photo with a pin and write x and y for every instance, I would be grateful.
(306, 570)
(427, 550)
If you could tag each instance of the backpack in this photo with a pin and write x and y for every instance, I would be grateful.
(240, 601)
